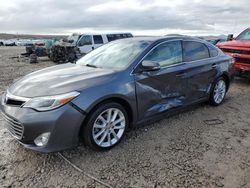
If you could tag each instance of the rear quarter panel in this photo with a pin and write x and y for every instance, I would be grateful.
(225, 66)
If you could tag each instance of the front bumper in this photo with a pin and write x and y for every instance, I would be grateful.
(63, 123)
(242, 67)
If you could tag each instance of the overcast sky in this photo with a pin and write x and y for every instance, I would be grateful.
(145, 17)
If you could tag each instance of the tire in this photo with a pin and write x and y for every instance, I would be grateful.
(101, 134)
(218, 92)
(33, 58)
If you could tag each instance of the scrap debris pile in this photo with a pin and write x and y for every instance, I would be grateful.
(65, 50)
(64, 53)
(58, 51)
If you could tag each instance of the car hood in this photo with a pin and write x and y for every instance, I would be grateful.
(58, 80)
(235, 43)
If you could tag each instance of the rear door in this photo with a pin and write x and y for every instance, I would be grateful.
(85, 44)
(164, 89)
(98, 41)
(201, 70)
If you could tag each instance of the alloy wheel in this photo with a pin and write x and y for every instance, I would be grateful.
(109, 127)
(219, 91)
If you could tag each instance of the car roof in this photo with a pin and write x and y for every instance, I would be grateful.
(163, 38)
(106, 33)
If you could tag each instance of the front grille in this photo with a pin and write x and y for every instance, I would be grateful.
(14, 102)
(242, 60)
(14, 126)
(236, 51)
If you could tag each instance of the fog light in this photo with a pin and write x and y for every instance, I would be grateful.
(42, 139)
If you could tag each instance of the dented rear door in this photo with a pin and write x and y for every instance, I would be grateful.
(202, 69)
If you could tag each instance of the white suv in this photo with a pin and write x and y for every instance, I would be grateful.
(87, 43)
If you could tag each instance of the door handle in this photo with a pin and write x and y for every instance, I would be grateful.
(180, 74)
(93, 48)
(214, 65)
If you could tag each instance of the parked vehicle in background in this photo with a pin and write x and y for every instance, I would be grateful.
(39, 42)
(89, 42)
(239, 48)
(10, 42)
(215, 40)
(78, 45)
(118, 85)
(24, 42)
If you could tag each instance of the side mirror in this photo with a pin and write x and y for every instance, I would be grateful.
(230, 37)
(79, 44)
(150, 66)
(71, 41)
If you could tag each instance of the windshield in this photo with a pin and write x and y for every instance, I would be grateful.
(114, 55)
(245, 35)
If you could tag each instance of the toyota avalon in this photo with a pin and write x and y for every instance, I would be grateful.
(115, 87)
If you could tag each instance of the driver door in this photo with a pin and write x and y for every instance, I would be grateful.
(161, 90)
(85, 44)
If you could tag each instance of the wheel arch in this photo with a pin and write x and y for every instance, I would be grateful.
(226, 78)
(117, 99)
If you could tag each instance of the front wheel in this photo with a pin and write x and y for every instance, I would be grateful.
(105, 126)
(218, 92)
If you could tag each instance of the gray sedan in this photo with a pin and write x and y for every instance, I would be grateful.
(115, 87)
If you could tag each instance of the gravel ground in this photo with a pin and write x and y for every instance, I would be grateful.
(186, 150)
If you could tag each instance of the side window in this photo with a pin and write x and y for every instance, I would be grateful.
(118, 36)
(194, 51)
(126, 35)
(111, 37)
(213, 51)
(129, 35)
(167, 53)
(98, 39)
(85, 40)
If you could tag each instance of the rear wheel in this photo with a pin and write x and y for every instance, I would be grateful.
(105, 126)
(218, 92)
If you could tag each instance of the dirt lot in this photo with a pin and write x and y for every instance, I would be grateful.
(180, 151)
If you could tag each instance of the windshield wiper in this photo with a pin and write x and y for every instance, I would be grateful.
(89, 65)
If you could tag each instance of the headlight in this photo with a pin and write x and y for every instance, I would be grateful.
(50, 102)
